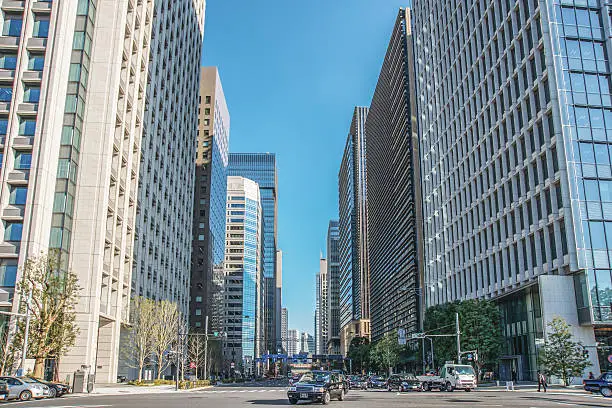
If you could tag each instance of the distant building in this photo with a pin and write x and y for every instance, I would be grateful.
(393, 191)
(243, 320)
(321, 317)
(307, 343)
(278, 298)
(210, 198)
(354, 268)
(293, 342)
(284, 329)
(332, 345)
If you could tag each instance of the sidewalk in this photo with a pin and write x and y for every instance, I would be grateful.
(125, 389)
(531, 387)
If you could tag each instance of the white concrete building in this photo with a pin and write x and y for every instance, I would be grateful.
(284, 328)
(293, 342)
(321, 313)
(75, 81)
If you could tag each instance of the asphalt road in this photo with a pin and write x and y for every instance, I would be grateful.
(275, 397)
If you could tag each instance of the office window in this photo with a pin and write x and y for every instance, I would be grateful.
(8, 61)
(12, 26)
(12, 231)
(32, 94)
(198, 299)
(18, 195)
(27, 127)
(36, 62)
(6, 93)
(198, 312)
(3, 126)
(23, 161)
(41, 27)
(8, 275)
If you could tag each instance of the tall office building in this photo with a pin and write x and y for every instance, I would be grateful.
(278, 299)
(393, 190)
(242, 308)
(293, 342)
(284, 328)
(209, 202)
(306, 343)
(354, 268)
(321, 317)
(516, 166)
(261, 168)
(333, 287)
(78, 83)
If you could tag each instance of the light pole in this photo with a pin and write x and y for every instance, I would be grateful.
(26, 336)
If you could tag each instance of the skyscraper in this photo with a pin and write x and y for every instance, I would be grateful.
(516, 167)
(210, 196)
(284, 328)
(278, 299)
(322, 299)
(261, 168)
(393, 190)
(333, 287)
(354, 268)
(306, 343)
(78, 112)
(293, 342)
(242, 309)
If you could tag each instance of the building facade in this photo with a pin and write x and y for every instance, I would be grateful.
(333, 287)
(261, 168)
(516, 167)
(242, 309)
(278, 299)
(293, 342)
(209, 215)
(284, 328)
(354, 277)
(321, 316)
(306, 343)
(393, 189)
(77, 88)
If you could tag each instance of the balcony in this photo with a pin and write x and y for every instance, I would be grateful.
(27, 109)
(23, 142)
(19, 177)
(12, 213)
(32, 77)
(13, 5)
(9, 43)
(37, 44)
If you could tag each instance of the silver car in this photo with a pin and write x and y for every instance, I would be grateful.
(25, 389)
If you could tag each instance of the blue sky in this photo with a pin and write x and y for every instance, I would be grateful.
(292, 73)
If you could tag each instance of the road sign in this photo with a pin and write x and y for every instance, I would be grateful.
(192, 365)
(401, 337)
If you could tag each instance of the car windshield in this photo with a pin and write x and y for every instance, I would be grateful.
(408, 377)
(378, 379)
(355, 378)
(312, 378)
(28, 380)
(464, 370)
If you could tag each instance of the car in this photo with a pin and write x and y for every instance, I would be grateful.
(4, 390)
(403, 382)
(602, 385)
(55, 389)
(24, 389)
(317, 386)
(358, 382)
(377, 382)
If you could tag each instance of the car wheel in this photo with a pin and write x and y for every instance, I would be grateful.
(468, 389)
(425, 387)
(326, 398)
(293, 401)
(52, 393)
(449, 387)
(25, 396)
(606, 392)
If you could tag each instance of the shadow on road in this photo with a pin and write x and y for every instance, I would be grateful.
(565, 402)
(272, 403)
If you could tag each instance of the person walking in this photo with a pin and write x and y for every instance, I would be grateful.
(591, 375)
(542, 381)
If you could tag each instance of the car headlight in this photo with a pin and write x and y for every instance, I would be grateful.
(292, 389)
(319, 390)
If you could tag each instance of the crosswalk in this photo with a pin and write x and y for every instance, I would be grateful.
(240, 391)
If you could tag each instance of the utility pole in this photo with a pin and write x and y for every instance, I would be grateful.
(26, 335)
(458, 338)
(206, 348)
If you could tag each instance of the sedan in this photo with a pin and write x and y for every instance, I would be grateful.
(55, 389)
(24, 389)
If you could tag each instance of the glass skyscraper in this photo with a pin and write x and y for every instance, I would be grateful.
(261, 168)
(333, 287)
(515, 120)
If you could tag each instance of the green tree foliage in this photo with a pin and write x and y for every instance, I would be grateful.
(359, 353)
(479, 325)
(562, 356)
(386, 352)
(53, 297)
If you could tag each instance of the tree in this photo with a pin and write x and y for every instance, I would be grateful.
(387, 351)
(562, 356)
(7, 350)
(139, 346)
(165, 332)
(53, 295)
(196, 352)
(479, 325)
(359, 353)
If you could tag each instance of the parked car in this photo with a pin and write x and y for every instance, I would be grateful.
(317, 386)
(4, 390)
(602, 385)
(377, 382)
(357, 382)
(55, 389)
(25, 389)
(403, 383)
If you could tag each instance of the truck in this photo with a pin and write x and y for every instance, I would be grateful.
(452, 377)
(602, 385)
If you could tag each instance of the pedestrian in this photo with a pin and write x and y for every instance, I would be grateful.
(591, 375)
(542, 381)
(514, 376)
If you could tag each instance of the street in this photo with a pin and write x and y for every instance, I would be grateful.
(234, 397)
